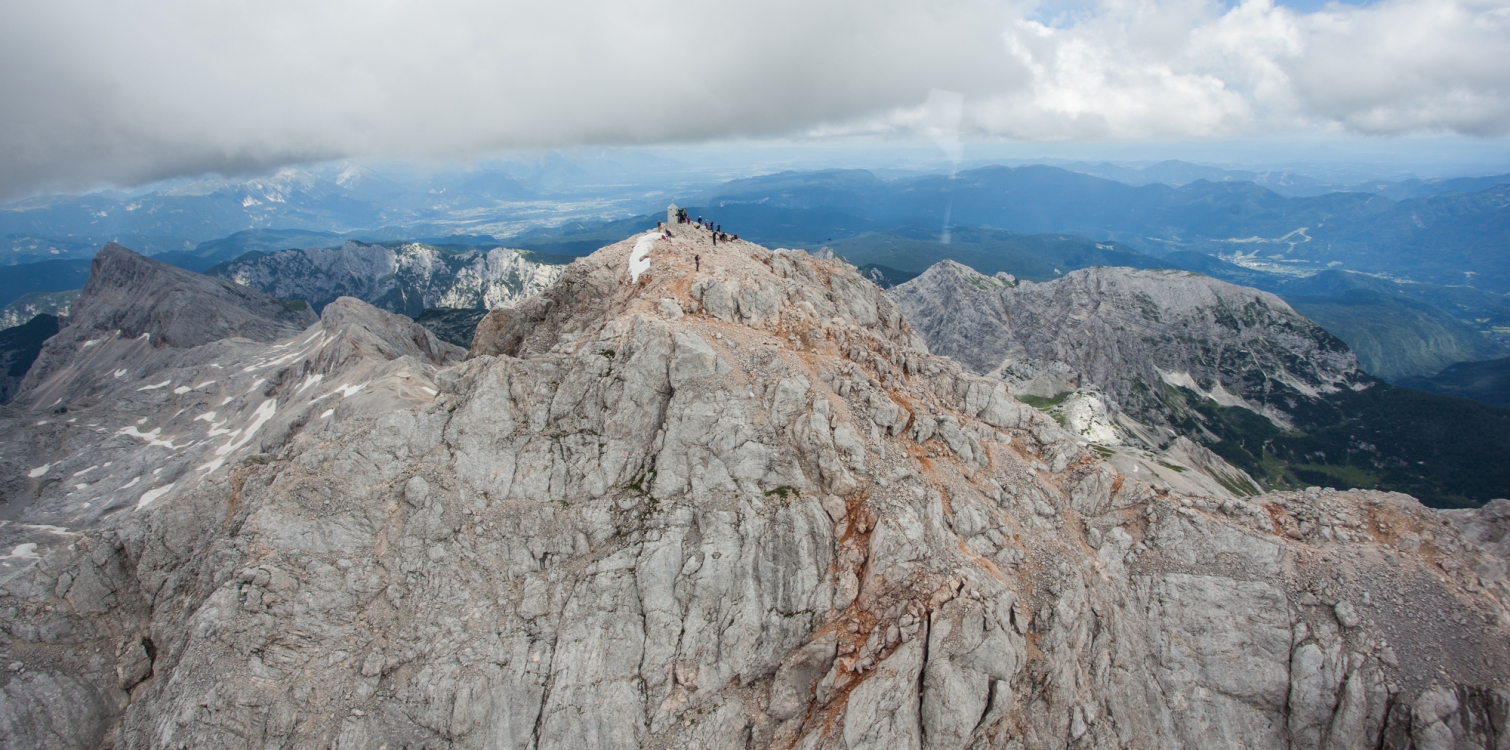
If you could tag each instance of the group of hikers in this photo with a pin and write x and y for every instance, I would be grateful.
(716, 229)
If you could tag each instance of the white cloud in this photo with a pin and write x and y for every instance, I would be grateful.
(128, 91)
(1187, 68)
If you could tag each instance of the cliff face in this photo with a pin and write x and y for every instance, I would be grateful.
(1126, 331)
(407, 279)
(1168, 371)
(134, 306)
(735, 507)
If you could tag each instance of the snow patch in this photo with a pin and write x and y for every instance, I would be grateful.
(181, 390)
(264, 412)
(39, 471)
(638, 262)
(309, 381)
(27, 551)
(151, 495)
(348, 390)
(1217, 394)
(155, 386)
(327, 413)
(152, 437)
(59, 530)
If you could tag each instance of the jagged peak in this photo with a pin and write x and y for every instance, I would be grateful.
(137, 295)
(132, 298)
(736, 282)
(999, 280)
(390, 335)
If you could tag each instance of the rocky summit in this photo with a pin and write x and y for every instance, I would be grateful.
(687, 496)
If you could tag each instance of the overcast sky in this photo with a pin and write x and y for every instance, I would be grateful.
(123, 92)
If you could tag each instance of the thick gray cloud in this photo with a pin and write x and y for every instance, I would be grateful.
(129, 91)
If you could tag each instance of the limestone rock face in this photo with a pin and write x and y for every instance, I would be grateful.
(132, 302)
(1113, 350)
(760, 516)
(406, 279)
(1126, 331)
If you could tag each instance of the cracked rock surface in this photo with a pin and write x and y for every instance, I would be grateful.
(728, 508)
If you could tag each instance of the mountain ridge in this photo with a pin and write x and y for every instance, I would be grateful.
(406, 279)
(1234, 369)
(725, 500)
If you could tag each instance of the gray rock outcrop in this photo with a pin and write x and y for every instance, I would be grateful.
(1127, 332)
(1119, 356)
(132, 302)
(737, 507)
(407, 279)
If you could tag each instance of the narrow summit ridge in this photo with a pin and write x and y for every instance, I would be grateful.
(133, 305)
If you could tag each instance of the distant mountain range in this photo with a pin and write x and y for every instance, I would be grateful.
(1279, 218)
(406, 278)
(1487, 382)
(1136, 361)
(1454, 238)
(37, 303)
(1288, 183)
(1397, 329)
(1412, 275)
(19, 347)
(332, 204)
(46, 276)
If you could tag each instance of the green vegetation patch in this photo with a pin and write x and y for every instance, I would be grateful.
(1445, 451)
(1042, 403)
